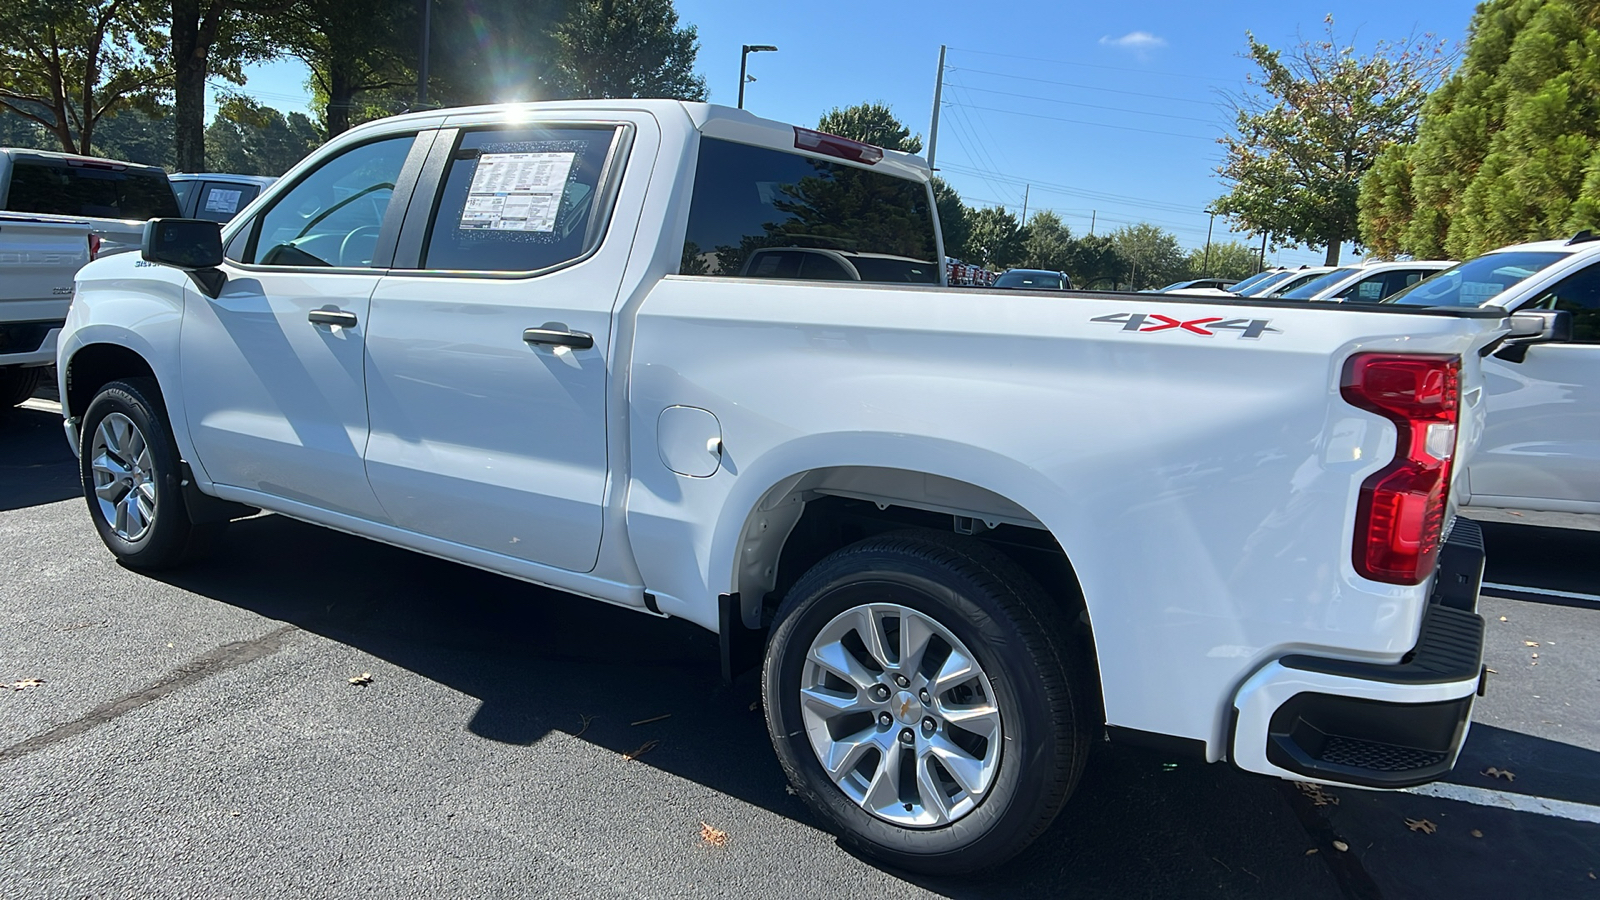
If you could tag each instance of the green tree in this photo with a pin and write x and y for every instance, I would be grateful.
(1094, 263)
(1227, 259)
(68, 64)
(872, 123)
(209, 38)
(1317, 118)
(1046, 242)
(248, 138)
(352, 47)
(1508, 149)
(1152, 254)
(626, 48)
(995, 240)
(955, 218)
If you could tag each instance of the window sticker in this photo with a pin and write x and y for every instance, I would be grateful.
(1370, 290)
(223, 201)
(516, 192)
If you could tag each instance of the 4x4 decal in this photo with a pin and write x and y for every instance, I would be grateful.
(1205, 327)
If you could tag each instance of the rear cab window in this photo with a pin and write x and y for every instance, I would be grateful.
(757, 212)
(90, 189)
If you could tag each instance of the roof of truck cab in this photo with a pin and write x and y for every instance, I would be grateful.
(710, 119)
(19, 152)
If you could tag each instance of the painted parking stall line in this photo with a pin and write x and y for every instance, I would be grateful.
(1564, 809)
(1518, 592)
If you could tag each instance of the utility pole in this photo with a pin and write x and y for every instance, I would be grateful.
(744, 53)
(1262, 266)
(1025, 190)
(938, 93)
(1092, 214)
(422, 55)
(1206, 266)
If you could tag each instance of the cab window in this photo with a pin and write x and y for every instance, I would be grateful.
(1578, 294)
(333, 216)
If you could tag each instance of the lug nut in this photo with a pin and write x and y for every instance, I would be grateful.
(902, 681)
(883, 719)
(907, 737)
(929, 725)
(924, 697)
(880, 693)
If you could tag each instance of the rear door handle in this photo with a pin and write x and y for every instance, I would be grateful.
(577, 340)
(332, 317)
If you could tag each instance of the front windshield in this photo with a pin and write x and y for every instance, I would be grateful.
(1265, 284)
(1317, 285)
(1251, 281)
(1476, 281)
(1175, 285)
(1035, 280)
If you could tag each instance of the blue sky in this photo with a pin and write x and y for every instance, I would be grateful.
(1108, 110)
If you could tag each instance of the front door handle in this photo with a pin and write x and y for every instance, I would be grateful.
(577, 340)
(332, 317)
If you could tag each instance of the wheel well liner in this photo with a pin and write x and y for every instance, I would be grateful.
(95, 365)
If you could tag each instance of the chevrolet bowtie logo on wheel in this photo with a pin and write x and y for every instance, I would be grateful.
(1205, 327)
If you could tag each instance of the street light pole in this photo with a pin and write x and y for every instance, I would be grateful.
(745, 51)
(1206, 266)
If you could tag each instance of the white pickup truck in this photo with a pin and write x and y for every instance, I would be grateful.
(58, 211)
(964, 532)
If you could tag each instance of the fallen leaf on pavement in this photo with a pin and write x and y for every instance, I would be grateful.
(755, 705)
(1492, 772)
(716, 837)
(1536, 656)
(25, 683)
(364, 679)
(1476, 833)
(1504, 619)
(1422, 825)
(1340, 846)
(234, 813)
(1311, 851)
(643, 748)
(656, 719)
(1530, 643)
(1490, 671)
(1316, 794)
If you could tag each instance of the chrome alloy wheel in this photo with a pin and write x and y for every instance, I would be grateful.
(124, 477)
(901, 716)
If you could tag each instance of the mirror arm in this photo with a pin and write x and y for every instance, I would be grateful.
(209, 281)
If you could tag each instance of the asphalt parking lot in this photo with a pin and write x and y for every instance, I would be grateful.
(197, 735)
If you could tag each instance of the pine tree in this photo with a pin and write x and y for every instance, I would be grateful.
(1508, 148)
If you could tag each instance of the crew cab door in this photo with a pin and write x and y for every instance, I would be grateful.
(487, 362)
(1541, 441)
(272, 367)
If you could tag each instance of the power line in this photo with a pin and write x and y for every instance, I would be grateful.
(1187, 76)
(1103, 196)
(1137, 112)
(1085, 87)
(1013, 112)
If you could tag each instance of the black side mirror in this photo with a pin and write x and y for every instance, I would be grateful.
(1535, 326)
(194, 245)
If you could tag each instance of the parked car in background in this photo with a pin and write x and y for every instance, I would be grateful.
(57, 212)
(1541, 437)
(1297, 277)
(1368, 282)
(216, 197)
(1034, 280)
(1263, 283)
(1215, 286)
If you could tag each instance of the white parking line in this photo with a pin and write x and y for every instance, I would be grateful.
(41, 405)
(1564, 809)
(1540, 592)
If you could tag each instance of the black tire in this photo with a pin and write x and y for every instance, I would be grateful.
(1019, 638)
(170, 538)
(17, 384)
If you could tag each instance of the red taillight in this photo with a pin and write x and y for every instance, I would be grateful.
(833, 145)
(94, 246)
(1401, 511)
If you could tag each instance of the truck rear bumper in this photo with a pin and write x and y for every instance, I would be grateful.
(1368, 724)
(29, 343)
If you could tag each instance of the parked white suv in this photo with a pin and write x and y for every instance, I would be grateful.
(1370, 282)
(1541, 439)
(963, 533)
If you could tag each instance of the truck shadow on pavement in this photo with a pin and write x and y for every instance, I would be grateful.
(540, 661)
(36, 465)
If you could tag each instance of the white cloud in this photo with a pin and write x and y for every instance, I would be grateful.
(1138, 41)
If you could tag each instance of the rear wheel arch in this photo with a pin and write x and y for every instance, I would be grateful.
(93, 366)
